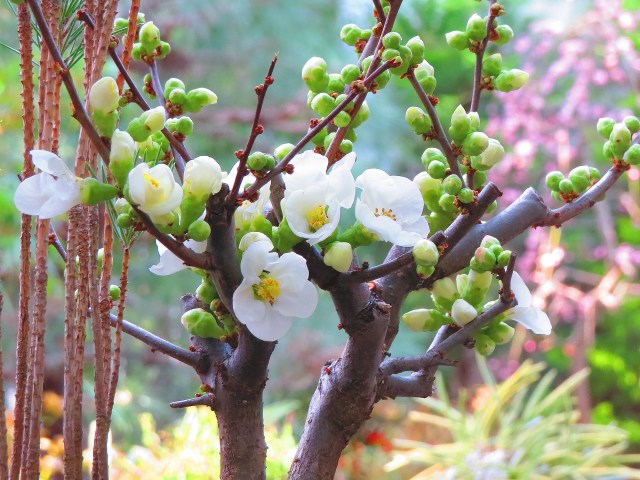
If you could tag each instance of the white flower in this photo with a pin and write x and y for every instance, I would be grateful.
(247, 210)
(310, 215)
(154, 190)
(51, 192)
(524, 313)
(391, 208)
(104, 95)
(202, 177)
(463, 312)
(169, 263)
(274, 289)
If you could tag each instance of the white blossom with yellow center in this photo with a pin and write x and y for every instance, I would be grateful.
(391, 208)
(311, 214)
(273, 291)
(154, 190)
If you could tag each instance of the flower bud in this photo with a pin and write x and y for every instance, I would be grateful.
(424, 73)
(484, 344)
(201, 323)
(566, 186)
(462, 312)
(250, 238)
(121, 155)
(122, 206)
(492, 65)
(460, 125)
(392, 40)
(339, 255)
(580, 178)
(505, 33)
(199, 231)
(620, 140)
(350, 34)
(184, 126)
(104, 96)
(488, 241)
(430, 155)
(483, 260)
(283, 150)
(424, 320)
(444, 293)
(448, 203)
(466, 196)
(149, 36)
(114, 292)
(199, 98)
(605, 126)
(492, 155)
(425, 253)
(474, 286)
(476, 27)
(124, 220)
(206, 292)
(349, 73)
(361, 116)
(424, 272)
(416, 45)
(430, 188)
(501, 333)
(476, 143)
(343, 119)
(418, 120)
(153, 120)
(452, 184)
(323, 104)
(314, 74)
(632, 123)
(503, 258)
(202, 177)
(457, 40)
(553, 180)
(510, 80)
(632, 157)
(336, 85)
(93, 191)
(172, 84)
(283, 237)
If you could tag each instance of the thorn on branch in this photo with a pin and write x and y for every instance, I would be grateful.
(206, 399)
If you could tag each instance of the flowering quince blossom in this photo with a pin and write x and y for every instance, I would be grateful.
(524, 313)
(273, 291)
(391, 208)
(154, 189)
(313, 197)
(202, 177)
(51, 192)
(169, 263)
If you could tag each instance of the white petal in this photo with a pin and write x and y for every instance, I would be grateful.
(299, 304)
(67, 195)
(33, 193)
(341, 180)
(384, 227)
(255, 259)
(371, 177)
(168, 264)
(290, 270)
(246, 307)
(273, 327)
(136, 183)
(532, 318)
(198, 247)
(50, 163)
(520, 290)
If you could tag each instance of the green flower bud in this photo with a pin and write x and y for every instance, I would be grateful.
(416, 45)
(283, 150)
(184, 126)
(104, 96)
(114, 292)
(460, 125)
(501, 333)
(199, 98)
(437, 169)
(124, 220)
(488, 241)
(632, 123)
(105, 122)
(432, 154)
(479, 179)
(430, 188)
(391, 54)
(476, 27)
(607, 151)
(418, 120)
(474, 286)
(502, 260)
(556, 196)
(120, 24)
(323, 104)
(424, 69)
(314, 74)
(457, 40)
(475, 143)
(122, 206)
(392, 40)
(452, 184)
(257, 161)
(424, 272)
(92, 191)
(620, 140)
(510, 80)
(350, 34)
(357, 235)
(361, 116)
(349, 73)
(319, 137)
(206, 292)
(346, 146)
(425, 253)
(605, 126)
(405, 61)
(484, 344)
(165, 49)
(466, 196)
(146, 124)
(171, 85)
(199, 231)
(462, 312)
(339, 255)
(492, 65)
(342, 119)
(121, 156)
(580, 178)
(424, 320)
(201, 323)
(177, 96)
(149, 36)
(505, 33)
(336, 84)
(553, 180)
(491, 155)
(483, 260)
(566, 186)
(632, 157)
(447, 203)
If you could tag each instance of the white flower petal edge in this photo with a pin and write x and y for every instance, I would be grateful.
(273, 291)
(51, 192)
(169, 263)
(154, 190)
(524, 313)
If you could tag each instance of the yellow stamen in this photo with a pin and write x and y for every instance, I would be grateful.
(151, 180)
(385, 213)
(268, 289)
(317, 218)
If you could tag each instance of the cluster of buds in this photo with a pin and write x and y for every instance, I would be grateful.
(489, 256)
(148, 123)
(121, 25)
(180, 101)
(149, 46)
(495, 77)
(213, 321)
(355, 37)
(476, 32)
(405, 56)
(618, 148)
(579, 180)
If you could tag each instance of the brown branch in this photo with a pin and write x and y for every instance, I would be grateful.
(4, 447)
(379, 11)
(256, 130)
(127, 47)
(155, 82)
(440, 135)
(206, 400)
(115, 367)
(477, 73)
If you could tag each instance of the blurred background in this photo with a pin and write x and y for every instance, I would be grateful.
(584, 64)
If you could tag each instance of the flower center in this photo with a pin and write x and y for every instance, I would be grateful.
(151, 180)
(317, 218)
(384, 213)
(268, 290)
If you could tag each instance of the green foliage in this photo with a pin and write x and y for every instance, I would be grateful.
(521, 428)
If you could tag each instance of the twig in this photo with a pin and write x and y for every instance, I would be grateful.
(379, 11)
(256, 130)
(4, 447)
(129, 39)
(477, 74)
(155, 82)
(79, 111)
(203, 400)
(440, 135)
